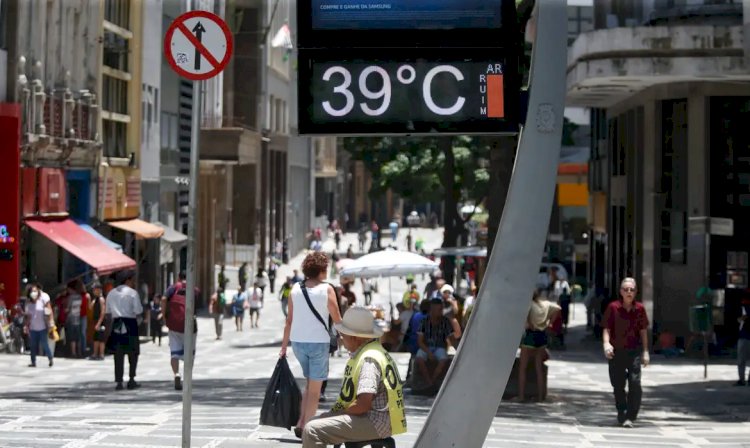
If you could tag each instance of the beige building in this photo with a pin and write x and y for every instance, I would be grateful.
(669, 85)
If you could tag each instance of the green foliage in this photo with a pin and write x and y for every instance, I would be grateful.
(567, 132)
(413, 167)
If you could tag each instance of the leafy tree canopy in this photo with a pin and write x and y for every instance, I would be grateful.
(413, 167)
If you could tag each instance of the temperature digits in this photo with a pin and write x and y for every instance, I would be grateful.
(406, 74)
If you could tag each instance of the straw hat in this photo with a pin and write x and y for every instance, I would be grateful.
(359, 322)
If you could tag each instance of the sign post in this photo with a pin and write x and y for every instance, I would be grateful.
(197, 45)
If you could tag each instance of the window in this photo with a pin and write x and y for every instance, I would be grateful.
(3, 24)
(117, 12)
(114, 138)
(674, 181)
(116, 50)
(114, 95)
(169, 131)
(271, 113)
(278, 119)
(580, 20)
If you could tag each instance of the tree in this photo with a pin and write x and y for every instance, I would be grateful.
(428, 169)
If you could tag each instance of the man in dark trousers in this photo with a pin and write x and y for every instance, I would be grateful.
(123, 308)
(625, 343)
(743, 342)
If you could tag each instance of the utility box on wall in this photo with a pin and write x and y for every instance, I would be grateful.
(44, 192)
(119, 193)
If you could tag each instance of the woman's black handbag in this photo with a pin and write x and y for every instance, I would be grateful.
(281, 405)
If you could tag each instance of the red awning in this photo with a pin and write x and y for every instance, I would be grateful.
(84, 246)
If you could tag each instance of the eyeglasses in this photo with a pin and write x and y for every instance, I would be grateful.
(627, 289)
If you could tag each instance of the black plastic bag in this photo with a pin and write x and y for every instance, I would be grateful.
(281, 405)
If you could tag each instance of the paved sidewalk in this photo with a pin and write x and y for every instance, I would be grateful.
(74, 404)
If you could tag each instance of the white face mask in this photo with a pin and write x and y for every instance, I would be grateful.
(34, 295)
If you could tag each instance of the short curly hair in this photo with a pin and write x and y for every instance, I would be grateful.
(314, 264)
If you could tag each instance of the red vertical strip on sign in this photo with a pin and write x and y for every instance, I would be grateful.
(495, 97)
(10, 154)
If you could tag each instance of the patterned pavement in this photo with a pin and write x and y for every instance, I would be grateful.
(74, 404)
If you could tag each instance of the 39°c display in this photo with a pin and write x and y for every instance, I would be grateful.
(410, 96)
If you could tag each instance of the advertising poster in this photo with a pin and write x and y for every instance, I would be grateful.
(406, 14)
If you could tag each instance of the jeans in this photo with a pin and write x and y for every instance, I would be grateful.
(219, 323)
(39, 338)
(83, 335)
(285, 307)
(313, 358)
(626, 367)
(743, 356)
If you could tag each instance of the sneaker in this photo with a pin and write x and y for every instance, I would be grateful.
(51, 362)
(627, 424)
(32, 364)
(133, 385)
(740, 383)
(323, 398)
(621, 417)
(177, 383)
(119, 386)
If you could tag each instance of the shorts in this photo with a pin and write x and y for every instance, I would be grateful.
(440, 353)
(254, 311)
(100, 335)
(72, 332)
(177, 345)
(238, 312)
(534, 339)
(313, 357)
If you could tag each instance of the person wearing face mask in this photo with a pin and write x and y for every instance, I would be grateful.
(38, 318)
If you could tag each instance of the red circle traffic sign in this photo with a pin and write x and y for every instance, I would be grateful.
(187, 50)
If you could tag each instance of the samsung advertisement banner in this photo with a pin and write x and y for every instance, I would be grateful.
(407, 67)
(406, 14)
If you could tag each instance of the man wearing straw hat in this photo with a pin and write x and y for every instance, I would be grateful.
(371, 403)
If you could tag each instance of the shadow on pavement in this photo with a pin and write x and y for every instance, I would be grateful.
(264, 345)
(290, 441)
(219, 392)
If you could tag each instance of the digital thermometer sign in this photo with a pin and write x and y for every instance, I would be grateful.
(409, 96)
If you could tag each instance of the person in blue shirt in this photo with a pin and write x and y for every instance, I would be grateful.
(410, 338)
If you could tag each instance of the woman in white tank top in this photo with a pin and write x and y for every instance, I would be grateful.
(309, 336)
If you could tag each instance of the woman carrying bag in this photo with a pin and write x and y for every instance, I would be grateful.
(312, 308)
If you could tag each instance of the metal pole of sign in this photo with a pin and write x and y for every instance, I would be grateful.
(484, 359)
(187, 392)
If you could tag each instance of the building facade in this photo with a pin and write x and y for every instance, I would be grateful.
(668, 84)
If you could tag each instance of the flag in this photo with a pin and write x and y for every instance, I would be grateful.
(283, 38)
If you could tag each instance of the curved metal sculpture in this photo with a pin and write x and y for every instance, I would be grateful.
(475, 383)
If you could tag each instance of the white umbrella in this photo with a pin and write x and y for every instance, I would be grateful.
(389, 263)
(470, 208)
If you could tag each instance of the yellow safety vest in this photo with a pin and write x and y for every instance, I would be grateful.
(391, 379)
